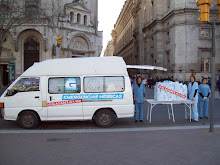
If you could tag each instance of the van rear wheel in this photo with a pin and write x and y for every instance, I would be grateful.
(28, 120)
(105, 118)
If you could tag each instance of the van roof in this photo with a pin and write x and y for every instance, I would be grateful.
(78, 67)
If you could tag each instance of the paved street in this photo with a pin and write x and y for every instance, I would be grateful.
(151, 147)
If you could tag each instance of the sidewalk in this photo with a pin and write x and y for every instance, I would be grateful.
(217, 95)
(153, 147)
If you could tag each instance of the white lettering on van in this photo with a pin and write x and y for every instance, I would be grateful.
(93, 96)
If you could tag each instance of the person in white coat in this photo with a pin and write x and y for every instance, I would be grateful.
(193, 95)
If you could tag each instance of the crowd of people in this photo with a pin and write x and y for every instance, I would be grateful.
(150, 82)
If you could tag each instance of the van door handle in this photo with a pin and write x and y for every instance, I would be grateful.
(50, 98)
(36, 97)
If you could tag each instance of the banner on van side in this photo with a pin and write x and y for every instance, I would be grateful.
(93, 96)
(64, 102)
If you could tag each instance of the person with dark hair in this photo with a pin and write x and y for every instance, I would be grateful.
(193, 95)
(204, 92)
(139, 98)
(150, 81)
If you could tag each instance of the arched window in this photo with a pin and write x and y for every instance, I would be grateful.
(85, 20)
(71, 17)
(78, 18)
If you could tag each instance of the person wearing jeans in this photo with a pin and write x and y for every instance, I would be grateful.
(139, 99)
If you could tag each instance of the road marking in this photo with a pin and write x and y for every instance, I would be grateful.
(109, 130)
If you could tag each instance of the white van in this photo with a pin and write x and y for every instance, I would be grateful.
(92, 88)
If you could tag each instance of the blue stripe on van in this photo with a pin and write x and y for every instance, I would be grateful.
(93, 96)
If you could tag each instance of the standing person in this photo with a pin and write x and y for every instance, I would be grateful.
(209, 81)
(139, 98)
(193, 95)
(218, 84)
(144, 82)
(149, 82)
(204, 92)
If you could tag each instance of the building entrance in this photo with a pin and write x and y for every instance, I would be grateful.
(4, 73)
(31, 52)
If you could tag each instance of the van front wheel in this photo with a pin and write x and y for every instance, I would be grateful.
(28, 119)
(105, 118)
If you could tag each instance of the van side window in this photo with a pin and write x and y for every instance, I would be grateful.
(103, 84)
(62, 85)
(26, 85)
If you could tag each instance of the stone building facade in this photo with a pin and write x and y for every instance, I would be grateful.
(109, 51)
(34, 41)
(167, 33)
(122, 35)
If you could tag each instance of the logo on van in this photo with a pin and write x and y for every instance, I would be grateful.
(71, 84)
(93, 96)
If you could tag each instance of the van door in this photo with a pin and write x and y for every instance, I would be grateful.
(23, 95)
(103, 92)
(63, 98)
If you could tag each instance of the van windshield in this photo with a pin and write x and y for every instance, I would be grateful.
(26, 85)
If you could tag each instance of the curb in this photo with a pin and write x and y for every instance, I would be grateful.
(113, 130)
